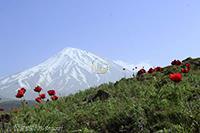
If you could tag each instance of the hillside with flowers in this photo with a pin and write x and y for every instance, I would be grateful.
(161, 99)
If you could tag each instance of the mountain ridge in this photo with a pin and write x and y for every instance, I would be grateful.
(71, 68)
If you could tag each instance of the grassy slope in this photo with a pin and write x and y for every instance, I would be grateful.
(153, 104)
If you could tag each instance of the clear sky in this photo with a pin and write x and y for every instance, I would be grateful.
(31, 31)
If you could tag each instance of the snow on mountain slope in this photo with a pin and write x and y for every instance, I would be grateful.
(67, 72)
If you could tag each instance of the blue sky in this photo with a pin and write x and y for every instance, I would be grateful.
(131, 30)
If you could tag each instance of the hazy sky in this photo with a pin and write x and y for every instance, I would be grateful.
(131, 30)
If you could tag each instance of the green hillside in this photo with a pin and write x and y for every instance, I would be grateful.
(144, 104)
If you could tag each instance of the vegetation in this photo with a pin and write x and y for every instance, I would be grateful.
(150, 102)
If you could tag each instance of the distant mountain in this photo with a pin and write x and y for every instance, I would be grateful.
(67, 72)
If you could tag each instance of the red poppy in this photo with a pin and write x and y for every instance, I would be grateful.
(54, 97)
(141, 71)
(38, 99)
(151, 70)
(51, 92)
(20, 94)
(42, 96)
(23, 90)
(187, 65)
(158, 69)
(176, 77)
(176, 62)
(184, 70)
(173, 62)
(38, 89)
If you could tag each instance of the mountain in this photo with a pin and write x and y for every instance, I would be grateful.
(67, 72)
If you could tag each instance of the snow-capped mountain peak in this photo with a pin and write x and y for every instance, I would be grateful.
(67, 72)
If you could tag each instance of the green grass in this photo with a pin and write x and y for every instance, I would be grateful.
(152, 104)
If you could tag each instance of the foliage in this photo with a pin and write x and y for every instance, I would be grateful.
(154, 104)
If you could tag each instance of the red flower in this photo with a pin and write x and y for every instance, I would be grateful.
(187, 65)
(38, 89)
(141, 71)
(38, 99)
(176, 77)
(54, 97)
(158, 69)
(51, 92)
(23, 90)
(176, 62)
(184, 70)
(42, 96)
(20, 93)
(173, 62)
(151, 70)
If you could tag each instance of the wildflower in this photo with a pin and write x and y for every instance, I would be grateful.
(158, 69)
(20, 93)
(176, 77)
(42, 96)
(51, 92)
(141, 71)
(187, 65)
(184, 70)
(38, 89)
(23, 90)
(176, 62)
(38, 99)
(54, 97)
(151, 70)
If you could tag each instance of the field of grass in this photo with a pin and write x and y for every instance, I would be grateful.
(146, 104)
